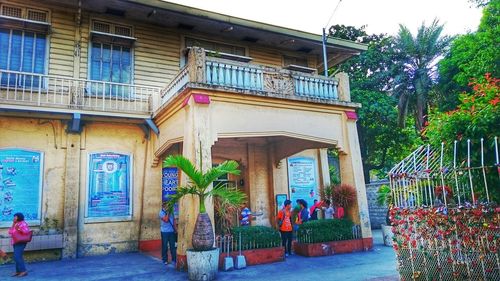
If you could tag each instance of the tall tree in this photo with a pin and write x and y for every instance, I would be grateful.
(417, 75)
(382, 141)
(471, 56)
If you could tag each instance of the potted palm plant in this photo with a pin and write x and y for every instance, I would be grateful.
(203, 258)
(384, 198)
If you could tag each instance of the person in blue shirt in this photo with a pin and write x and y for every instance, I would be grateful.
(245, 216)
(168, 234)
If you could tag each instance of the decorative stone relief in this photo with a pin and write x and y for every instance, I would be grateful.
(278, 83)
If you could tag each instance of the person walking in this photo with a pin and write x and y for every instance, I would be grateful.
(168, 235)
(19, 231)
(284, 219)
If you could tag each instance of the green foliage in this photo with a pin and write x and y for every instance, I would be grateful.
(318, 231)
(256, 237)
(382, 142)
(477, 116)
(199, 182)
(384, 196)
(471, 56)
(416, 75)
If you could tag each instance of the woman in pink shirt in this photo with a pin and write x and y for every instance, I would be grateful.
(20, 226)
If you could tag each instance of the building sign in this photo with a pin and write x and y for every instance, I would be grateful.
(169, 183)
(109, 186)
(302, 181)
(280, 201)
(20, 185)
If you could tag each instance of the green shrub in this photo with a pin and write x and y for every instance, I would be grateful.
(318, 231)
(256, 237)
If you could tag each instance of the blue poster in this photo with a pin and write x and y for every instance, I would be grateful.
(302, 181)
(20, 185)
(109, 185)
(169, 183)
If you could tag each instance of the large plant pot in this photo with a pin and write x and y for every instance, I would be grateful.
(387, 234)
(203, 234)
(202, 265)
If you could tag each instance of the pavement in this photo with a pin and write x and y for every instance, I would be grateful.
(376, 265)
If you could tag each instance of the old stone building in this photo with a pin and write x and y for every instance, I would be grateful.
(95, 94)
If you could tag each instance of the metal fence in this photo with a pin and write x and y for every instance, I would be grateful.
(230, 243)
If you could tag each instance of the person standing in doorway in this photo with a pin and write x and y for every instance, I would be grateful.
(284, 219)
(168, 235)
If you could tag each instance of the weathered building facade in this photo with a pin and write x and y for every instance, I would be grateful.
(95, 94)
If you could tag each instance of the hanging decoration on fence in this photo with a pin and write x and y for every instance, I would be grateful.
(445, 218)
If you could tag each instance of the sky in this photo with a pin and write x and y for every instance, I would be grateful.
(380, 16)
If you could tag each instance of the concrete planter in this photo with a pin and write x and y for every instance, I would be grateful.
(333, 247)
(257, 256)
(202, 265)
(387, 234)
(39, 242)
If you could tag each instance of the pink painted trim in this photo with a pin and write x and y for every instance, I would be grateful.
(351, 115)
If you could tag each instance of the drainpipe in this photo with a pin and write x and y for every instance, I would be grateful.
(139, 230)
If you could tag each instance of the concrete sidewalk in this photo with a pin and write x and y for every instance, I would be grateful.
(379, 264)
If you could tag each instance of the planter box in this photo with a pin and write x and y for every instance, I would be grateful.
(257, 256)
(39, 242)
(333, 247)
(387, 234)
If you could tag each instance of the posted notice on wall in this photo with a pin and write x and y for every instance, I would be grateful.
(109, 185)
(302, 180)
(20, 185)
(169, 183)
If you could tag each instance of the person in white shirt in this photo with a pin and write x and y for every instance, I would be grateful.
(329, 211)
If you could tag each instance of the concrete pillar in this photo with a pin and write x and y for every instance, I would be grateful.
(197, 147)
(71, 196)
(351, 172)
(343, 86)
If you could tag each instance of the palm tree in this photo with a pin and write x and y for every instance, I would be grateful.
(418, 58)
(199, 182)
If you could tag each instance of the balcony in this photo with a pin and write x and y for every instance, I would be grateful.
(38, 92)
(209, 71)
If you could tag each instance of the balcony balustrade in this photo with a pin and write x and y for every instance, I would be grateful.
(31, 91)
(227, 75)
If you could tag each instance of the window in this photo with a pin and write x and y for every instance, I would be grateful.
(110, 59)
(21, 51)
(216, 47)
(288, 60)
(110, 63)
(109, 187)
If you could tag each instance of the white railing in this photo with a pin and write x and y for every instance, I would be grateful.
(176, 85)
(31, 89)
(246, 77)
(460, 173)
(316, 87)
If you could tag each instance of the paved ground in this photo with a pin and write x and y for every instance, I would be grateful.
(378, 264)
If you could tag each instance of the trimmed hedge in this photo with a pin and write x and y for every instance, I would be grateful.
(256, 237)
(318, 231)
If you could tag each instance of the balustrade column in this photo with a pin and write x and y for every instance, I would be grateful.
(196, 65)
